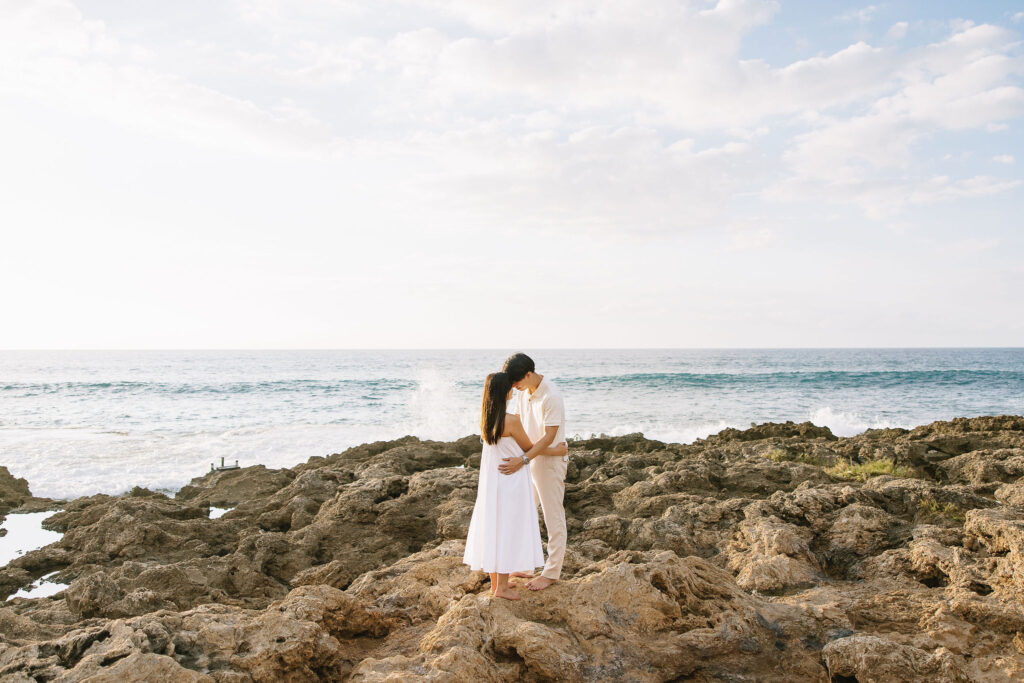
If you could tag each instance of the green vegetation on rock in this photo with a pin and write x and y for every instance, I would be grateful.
(929, 507)
(865, 470)
(780, 455)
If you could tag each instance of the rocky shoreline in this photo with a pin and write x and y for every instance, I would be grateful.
(774, 553)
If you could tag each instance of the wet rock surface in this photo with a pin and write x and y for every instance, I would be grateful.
(15, 496)
(775, 553)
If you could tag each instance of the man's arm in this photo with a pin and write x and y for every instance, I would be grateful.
(542, 447)
(543, 442)
(553, 408)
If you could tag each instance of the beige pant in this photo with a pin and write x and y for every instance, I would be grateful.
(548, 474)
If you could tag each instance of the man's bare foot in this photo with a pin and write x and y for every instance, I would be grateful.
(506, 593)
(540, 583)
(522, 575)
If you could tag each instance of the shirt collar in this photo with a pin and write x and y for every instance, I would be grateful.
(541, 389)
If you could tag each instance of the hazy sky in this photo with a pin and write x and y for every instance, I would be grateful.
(466, 173)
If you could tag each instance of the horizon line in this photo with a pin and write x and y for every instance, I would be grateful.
(550, 348)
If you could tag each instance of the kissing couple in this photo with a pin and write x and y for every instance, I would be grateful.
(524, 452)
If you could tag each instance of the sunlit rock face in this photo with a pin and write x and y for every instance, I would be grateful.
(774, 553)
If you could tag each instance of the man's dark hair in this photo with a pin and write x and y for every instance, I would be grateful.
(517, 365)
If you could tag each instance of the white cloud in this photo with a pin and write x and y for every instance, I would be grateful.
(263, 143)
(1003, 158)
(609, 179)
(862, 15)
(898, 30)
(971, 245)
(1017, 18)
(672, 64)
(681, 71)
(562, 113)
(753, 239)
(677, 66)
(530, 16)
(885, 198)
(961, 83)
(942, 188)
(53, 54)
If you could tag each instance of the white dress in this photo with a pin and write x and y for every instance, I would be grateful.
(504, 534)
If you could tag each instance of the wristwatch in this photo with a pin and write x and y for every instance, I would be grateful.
(526, 461)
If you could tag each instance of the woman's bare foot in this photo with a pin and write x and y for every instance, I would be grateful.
(506, 593)
(522, 575)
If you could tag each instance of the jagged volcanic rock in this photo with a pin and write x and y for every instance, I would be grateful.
(748, 555)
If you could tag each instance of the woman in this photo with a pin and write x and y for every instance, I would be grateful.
(504, 534)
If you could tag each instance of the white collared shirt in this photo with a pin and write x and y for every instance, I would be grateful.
(545, 407)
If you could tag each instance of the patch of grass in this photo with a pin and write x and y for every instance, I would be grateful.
(865, 470)
(779, 455)
(929, 507)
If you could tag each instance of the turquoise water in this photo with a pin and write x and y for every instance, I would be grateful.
(75, 423)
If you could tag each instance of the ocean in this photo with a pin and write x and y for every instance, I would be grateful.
(81, 422)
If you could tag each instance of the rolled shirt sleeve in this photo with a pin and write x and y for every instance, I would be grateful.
(554, 410)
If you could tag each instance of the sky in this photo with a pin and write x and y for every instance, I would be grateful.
(497, 174)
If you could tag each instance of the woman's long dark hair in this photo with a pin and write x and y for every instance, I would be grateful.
(492, 410)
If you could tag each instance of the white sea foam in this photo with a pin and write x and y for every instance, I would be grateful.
(438, 410)
(70, 463)
(66, 463)
(848, 424)
(24, 534)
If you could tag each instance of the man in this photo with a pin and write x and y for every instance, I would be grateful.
(540, 406)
